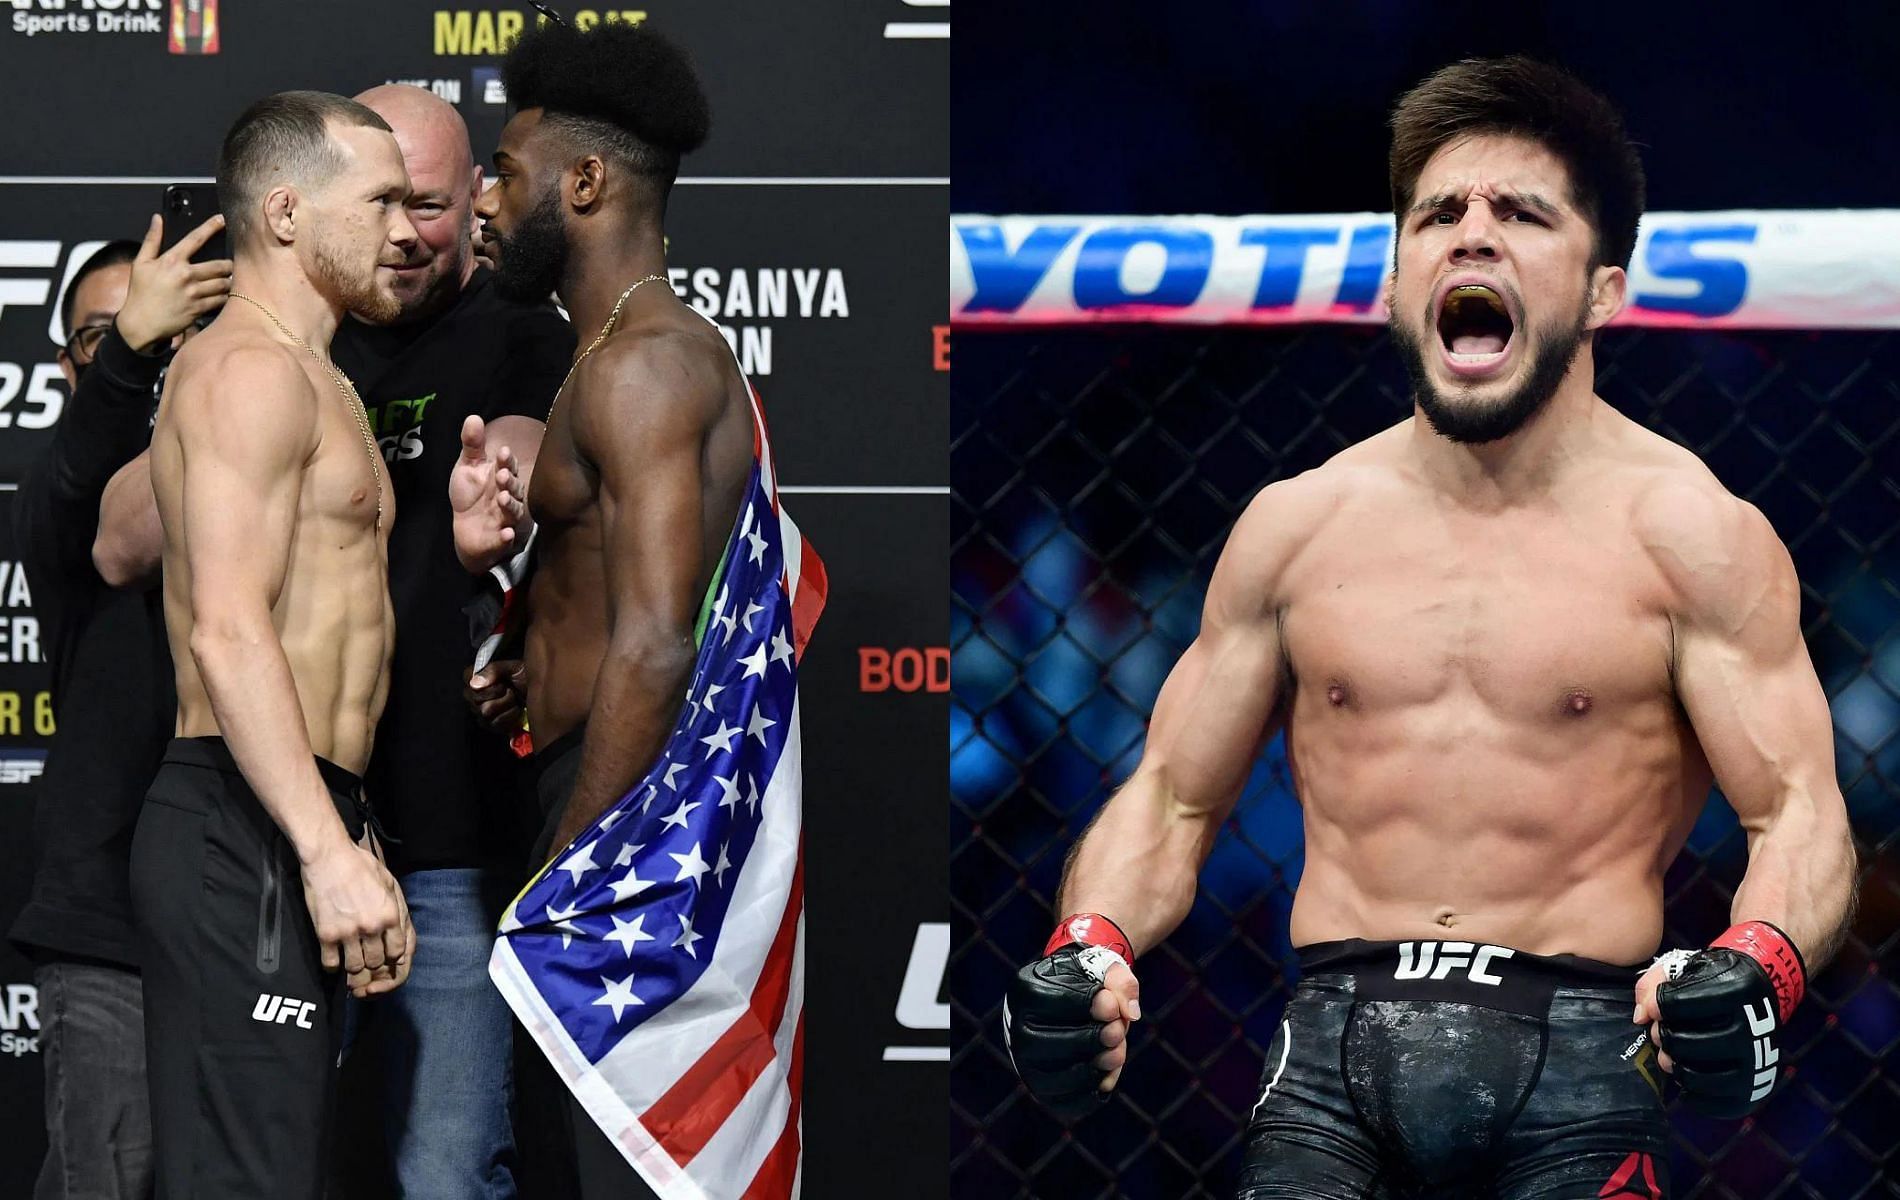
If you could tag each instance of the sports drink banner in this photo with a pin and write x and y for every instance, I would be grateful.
(1836, 269)
(805, 228)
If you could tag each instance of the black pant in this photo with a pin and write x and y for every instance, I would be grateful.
(242, 1023)
(1432, 1069)
(602, 1173)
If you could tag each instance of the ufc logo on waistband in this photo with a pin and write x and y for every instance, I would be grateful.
(276, 1010)
(1416, 961)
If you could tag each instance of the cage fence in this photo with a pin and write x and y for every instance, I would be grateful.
(1095, 475)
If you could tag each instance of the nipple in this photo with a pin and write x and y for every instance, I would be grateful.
(1336, 694)
(1577, 702)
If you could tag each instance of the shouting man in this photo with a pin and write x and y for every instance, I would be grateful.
(1511, 641)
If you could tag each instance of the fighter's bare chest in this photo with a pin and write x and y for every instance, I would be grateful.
(346, 480)
(1523, 618)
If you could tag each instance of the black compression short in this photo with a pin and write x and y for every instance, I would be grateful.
(1407, 1070)
(242, 1023)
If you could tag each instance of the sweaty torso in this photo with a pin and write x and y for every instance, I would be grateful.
(567, 601)
(1483, 730)
(332, 615)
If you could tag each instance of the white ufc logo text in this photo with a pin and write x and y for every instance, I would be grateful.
(279, 1009)
(1766, 1056)
(1416, 961)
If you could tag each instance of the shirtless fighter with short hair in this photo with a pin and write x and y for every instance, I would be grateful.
(1510, 640)
(649, 445)
(252, 872)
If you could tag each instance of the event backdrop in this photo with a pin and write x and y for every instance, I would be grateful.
(810, 227)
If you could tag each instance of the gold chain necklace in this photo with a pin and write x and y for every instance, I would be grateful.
(613, 319)
(349, 391)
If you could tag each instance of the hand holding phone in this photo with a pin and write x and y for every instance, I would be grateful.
(185, 206)
(168, 291)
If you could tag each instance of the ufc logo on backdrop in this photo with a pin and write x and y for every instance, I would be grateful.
(276, 1010)
(1416, 961)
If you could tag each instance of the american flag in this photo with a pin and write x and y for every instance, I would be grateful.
(659, 961)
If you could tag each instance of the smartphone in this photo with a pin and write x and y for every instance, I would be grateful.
(186, 206)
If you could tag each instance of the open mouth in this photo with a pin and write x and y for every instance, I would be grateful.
(1475, 327)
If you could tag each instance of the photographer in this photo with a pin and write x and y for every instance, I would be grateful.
(112, 698)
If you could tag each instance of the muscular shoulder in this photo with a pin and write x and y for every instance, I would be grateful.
(1285, 517)
(1719, 558)
(658, 378)
(1278, 523)
(258, 376)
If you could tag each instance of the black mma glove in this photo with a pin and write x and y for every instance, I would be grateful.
(1722, 1010)
(1052, 1038)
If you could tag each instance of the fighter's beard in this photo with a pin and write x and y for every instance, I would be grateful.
(529, 261)
(1476, 424)
(358, 294)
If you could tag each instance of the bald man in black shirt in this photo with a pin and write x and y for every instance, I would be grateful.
(451, 789)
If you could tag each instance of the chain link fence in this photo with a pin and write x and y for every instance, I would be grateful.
(1096, 473)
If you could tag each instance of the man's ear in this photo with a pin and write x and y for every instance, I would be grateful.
(1609, 295)
(68, 369)
(589, 176)
(280, 212)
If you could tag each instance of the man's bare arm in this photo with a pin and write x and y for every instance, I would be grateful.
(244, 437)
(1138, 863)
(130, 541)
(644, 429)
(1745, 680)
(521, 437)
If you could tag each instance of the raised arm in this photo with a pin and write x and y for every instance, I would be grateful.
(645, 430)
(1744, 678)
(166, 294)
(1139, 861)
(104, 426)
(488, 487)
(244, 436)
(488, 492)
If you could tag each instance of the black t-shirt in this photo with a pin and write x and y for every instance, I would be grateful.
(112, 674)
(447, 790)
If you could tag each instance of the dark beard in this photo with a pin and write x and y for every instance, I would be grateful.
(1473, 425)
(530, 260)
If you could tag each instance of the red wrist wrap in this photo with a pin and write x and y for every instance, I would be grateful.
(1091, 929)
(1777, 955)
